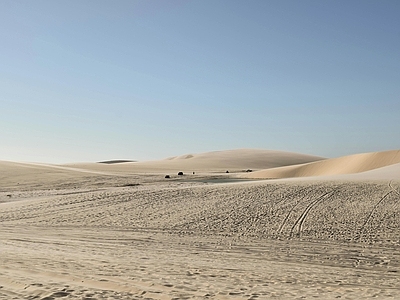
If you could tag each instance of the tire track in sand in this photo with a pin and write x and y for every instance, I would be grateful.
(393, 188)
(292, 209)
(394, 206)
(300, 221)
(362, 229)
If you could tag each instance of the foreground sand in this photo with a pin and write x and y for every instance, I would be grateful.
(81, 235)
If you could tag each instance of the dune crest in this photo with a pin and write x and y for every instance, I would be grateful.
(216, 161)
(351, 164)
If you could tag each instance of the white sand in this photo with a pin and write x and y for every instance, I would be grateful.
(336, 166)
(218, 161)
(94, 232)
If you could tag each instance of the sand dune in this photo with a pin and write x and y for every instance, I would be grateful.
(217, 161)
(336, 166)
(12, 173)
(384, 173)
(56, 176)
(388, 173)
(23, 176)
(108, 231)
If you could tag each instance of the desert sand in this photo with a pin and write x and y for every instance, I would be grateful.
(217, 161)
(123, 231)
(351, 164)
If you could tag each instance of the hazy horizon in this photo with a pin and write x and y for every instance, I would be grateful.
(86, 81)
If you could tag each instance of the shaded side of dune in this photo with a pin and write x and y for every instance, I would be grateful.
(115, 161)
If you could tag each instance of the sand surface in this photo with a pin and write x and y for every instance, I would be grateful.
(217, 161)
(351, 164)
(76, 233)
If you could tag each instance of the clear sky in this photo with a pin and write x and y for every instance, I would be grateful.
(97, 80)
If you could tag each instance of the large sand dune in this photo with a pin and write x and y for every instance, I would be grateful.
(28, 175)
(351, 164)
(217, 161)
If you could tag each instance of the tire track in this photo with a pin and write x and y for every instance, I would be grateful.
(394, 206)
(292, 209)
(322, 198)
(300, 221)
(397, 201)
(362, 229)
(393, 188)
(290, 195)
(274, 205)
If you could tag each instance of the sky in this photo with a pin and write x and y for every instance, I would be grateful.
(91, 80)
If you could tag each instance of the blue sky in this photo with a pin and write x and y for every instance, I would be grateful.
(97, 80)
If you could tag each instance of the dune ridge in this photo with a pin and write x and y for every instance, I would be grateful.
(216, 161)
(357, 163)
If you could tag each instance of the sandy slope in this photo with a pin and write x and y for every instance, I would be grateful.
(190, 240)
(218, 161)
(336, 166)
(15, 175)
(391, 172)
(384, 173)
(96, 233)
(31, 176)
